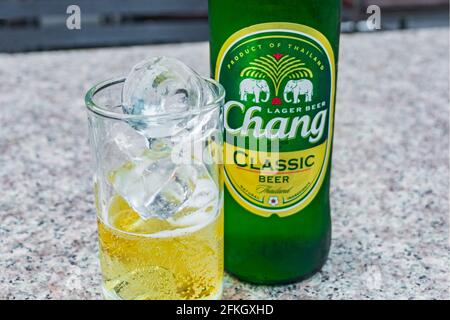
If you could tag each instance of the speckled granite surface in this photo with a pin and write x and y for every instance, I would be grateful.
(390, 185)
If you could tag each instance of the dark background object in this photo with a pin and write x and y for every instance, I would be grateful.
(30, 25)
(41, 24)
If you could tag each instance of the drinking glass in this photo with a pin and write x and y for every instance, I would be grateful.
(158, 197)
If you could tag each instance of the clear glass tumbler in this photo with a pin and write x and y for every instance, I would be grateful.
(158, 200)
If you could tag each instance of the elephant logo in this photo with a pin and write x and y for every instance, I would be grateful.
(254, 87)
(298, 88)
(276, 68)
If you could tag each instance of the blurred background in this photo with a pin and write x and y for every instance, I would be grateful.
(33, 25)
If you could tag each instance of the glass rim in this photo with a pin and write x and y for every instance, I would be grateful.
(95, 108)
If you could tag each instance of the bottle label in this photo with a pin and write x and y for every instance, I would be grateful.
(280, 84)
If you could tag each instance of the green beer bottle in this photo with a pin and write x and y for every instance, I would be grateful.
(277, 60)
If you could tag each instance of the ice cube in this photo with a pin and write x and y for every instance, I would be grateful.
(161, 86)
(202, 205)
(124, 144)
(129, 141)
(199, 141)
(171, 96)
(174, 193)
(154, 186)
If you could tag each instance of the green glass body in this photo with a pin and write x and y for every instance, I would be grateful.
(273, 250)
